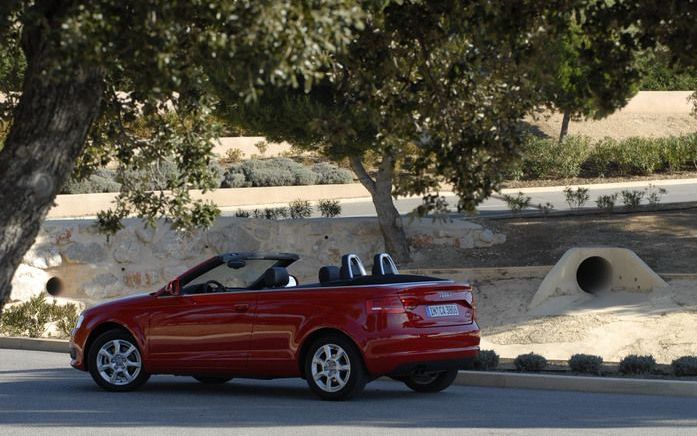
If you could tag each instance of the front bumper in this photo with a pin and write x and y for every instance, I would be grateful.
(77, 357)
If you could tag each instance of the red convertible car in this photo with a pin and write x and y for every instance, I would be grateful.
(243, 315)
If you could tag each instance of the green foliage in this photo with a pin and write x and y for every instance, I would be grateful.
(516, 203)
(545, 208)
(545, 158)
(241, 213)
(300, 209)
(635, 364)
(31, 317)
(530, 362)
(579, 156)
(329, 208)
(685, 366)
(586, 364)
(631, 199)
(486, 360)
(576, 198)
(606, 202)
(328, 174)
(232, 156)
(654, 194)
(103, 180)
(658, 74)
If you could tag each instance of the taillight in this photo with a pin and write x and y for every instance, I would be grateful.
(390, 304)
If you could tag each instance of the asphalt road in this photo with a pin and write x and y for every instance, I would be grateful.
(495, 206)
(41, 395)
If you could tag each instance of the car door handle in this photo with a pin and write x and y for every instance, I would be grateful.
(241, 307)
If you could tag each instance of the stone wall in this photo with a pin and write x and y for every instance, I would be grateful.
(94, 267)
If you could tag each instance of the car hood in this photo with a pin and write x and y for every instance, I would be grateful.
(130, 300)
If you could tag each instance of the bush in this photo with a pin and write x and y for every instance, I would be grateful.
(31, 317)
(545, 158)
(329, 208)
(487, 360)
(103, 180)
(241, 213)
(631, 199)
(331, 174)
(586, 363)
(232, 156)
(606, 202)
(517, 202)
(300, 209)
(576, 199)
(275, 213)
(634, 364)
(268, 172)
(530, 362)
(654, 194)
(233, 180)
(685, 366)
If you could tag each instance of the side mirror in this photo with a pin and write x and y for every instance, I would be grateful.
(292, 282)
(173, 287)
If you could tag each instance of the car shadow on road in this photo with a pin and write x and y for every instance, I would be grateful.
(64, 397)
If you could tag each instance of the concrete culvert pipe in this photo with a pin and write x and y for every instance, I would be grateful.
(594, 274)
(54, 286)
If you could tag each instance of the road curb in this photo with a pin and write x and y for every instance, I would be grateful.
(608, 385)
(34, 344)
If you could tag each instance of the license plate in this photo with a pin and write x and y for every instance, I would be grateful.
(442, 310)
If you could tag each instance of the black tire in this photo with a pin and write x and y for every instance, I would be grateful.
(433, 383)
(137, 375)
(354, 379)
(212, 380)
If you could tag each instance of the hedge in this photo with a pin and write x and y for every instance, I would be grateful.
(282, 171)
(579, 156)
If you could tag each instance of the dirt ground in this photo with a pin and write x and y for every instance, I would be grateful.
(609, 324)
(665, 240)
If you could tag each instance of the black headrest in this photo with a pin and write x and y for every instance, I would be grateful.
(276, 277)
(383, 265)
(329, 273)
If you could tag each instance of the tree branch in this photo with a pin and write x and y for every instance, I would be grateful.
(362, 174)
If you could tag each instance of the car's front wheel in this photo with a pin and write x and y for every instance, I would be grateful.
(430, 382)
(115, 362)
(334, 368)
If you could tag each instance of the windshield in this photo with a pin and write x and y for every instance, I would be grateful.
(238, 277)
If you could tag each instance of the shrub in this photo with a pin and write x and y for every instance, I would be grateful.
(262, 146)
(31, 317)
(634, 364)
(576, 199)
(329, 208)
(233, 180)
(631, 199)
(545, 208)
(241, 213)
(545, 158)
(330, 174)
(232, 156)
(586, 363)
(517, 202)
(530, 362)
(685, 366)
(268, 172)
(300, 209)
(487, 360)
(606, 202)
(103, 180)
(654, 194)
(274, 213)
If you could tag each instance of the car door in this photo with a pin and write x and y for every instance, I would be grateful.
(208, 332)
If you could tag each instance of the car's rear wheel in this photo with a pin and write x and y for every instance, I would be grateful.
(334, 368)
(212, 380)
(115, 362)
(429, 382)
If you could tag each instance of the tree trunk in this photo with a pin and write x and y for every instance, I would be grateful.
(389, 218)
(48, 134)
(564, 125)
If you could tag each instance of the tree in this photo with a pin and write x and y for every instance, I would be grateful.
(581, 83)
(126, 81)
(429, 93)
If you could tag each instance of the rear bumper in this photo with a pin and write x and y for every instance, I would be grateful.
(452, 348)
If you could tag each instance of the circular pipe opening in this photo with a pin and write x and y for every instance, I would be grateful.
(594, 274)
(54, 286)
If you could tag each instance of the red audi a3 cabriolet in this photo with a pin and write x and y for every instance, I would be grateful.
(243, 315)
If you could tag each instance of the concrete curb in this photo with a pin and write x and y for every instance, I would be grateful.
(609, 385)
(34, 344)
